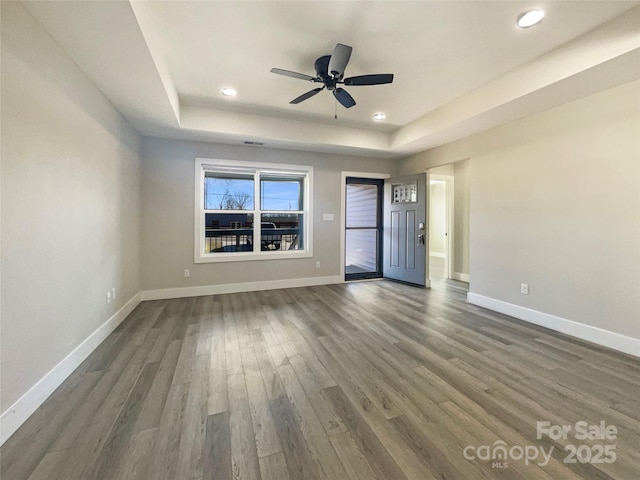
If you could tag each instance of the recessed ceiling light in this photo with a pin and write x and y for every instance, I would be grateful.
(379, 116)
(530, 18)
(229, 92)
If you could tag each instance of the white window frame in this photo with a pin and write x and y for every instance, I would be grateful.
(204, 164)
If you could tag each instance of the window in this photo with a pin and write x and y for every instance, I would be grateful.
(405, 193)
(248, 211)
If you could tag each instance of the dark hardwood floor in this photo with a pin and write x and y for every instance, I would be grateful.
(371, 380)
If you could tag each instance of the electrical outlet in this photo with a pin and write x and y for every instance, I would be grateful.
(108, 298)
(113, 293)
(187, 273)
(524, 288)
(317, 264)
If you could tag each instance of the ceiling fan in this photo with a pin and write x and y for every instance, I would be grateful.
(330, 72)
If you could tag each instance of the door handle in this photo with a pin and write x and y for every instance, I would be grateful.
(421, 239)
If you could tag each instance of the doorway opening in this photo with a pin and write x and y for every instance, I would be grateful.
(363, 228)
(440, 226)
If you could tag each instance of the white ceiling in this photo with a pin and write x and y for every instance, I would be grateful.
(460, 66)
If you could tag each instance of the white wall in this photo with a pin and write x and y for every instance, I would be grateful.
(461, 218)
(168, 214)
(437, 218)
(461, 188)
(70, 206)
(443, 170)
(555, 203)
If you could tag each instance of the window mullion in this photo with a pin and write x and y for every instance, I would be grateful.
(285, 212)
(203, 213)
(257, 217)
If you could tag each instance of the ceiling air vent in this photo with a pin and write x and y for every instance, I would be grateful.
(257, 144)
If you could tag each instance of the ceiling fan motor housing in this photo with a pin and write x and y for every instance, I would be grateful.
(322, 70)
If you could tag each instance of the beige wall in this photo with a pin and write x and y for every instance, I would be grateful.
(555, 203)
(70, 205)
(443, 170)
(437, 219)
(168, 214)
(461, 219)
(460, 173)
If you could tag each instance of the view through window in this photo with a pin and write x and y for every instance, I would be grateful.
(252, 210)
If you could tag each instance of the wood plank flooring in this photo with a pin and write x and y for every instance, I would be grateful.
(359, 381)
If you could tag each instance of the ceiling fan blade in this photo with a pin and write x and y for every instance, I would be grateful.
(339, 59)
(376, 79)
(306, 96)
(288, 73)
(344, 98)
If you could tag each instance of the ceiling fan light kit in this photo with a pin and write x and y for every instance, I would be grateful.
(330, 72)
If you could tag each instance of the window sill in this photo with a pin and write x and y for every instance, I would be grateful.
(248, 257)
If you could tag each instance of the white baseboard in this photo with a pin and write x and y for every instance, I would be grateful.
(463, 277)
(165, 293)
(13, 417)
(606, 338)
(436, 254)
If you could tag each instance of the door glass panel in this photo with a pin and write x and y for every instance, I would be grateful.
(362, 201)
(361, 251)
(405, 192)
(363, 228)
